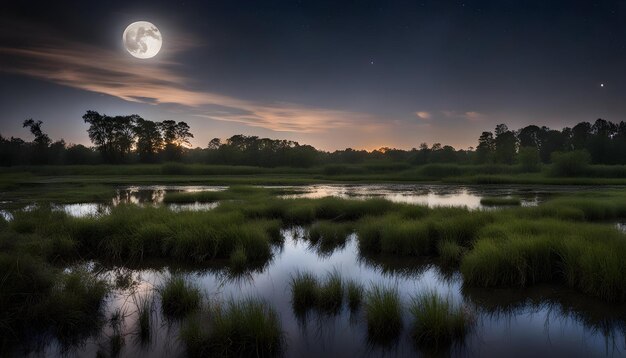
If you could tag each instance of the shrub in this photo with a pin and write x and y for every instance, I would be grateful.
(529, 160)
(574, 163)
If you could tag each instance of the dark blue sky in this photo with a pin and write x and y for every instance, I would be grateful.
(334, 74)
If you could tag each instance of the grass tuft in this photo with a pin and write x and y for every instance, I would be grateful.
(450, 252)
(383, 312)
(145, 307)
(247, 328)
(438, 323)
(355, 295)
(329, 235)
(330, 293)
(179, 297)
(304, 292)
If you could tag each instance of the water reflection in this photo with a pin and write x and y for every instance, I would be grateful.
(154, 194)
(84, 209)
(546, 321)
(431, 195)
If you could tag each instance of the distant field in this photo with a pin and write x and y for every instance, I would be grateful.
(368, 172)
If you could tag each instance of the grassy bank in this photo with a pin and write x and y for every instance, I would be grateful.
(15, 177)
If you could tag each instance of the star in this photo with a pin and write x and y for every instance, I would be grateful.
(371, 62)
(601, 84)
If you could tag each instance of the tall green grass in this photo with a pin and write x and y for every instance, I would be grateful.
(450, 252)
(74, 306)
(519, 253)
(437, 322)
(137, 233)
(246, 328)
(308, 292)
(330, 293)
(383, 312)
(499, 201)
(38, 300)
(179, 297)
(304, 292)
(328, 235)
(354, 293)
(145, 306)
(397, 236)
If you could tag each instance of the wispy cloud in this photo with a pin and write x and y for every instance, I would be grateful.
(474, 116)
(95, 69)
(470, 116)
(423, 115)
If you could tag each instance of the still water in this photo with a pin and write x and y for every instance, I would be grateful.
(542, 321)
(419, 194)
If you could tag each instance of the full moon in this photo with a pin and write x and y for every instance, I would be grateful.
(142, 39)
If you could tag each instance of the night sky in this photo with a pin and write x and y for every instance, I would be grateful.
(334, 74)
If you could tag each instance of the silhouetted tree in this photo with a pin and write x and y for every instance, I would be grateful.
(528, 158)
(79, 154)
(551, 141)
(149, 139)
(486, 147)
(581, 133)
(56, 152)
(599, 145)
(41, 142)
(113, 136)
(13, 152)
(506, 145)
(214, 144)
(175, 137)
(422, 156)
(529, 136)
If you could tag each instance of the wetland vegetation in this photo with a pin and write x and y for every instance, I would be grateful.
(566, 241)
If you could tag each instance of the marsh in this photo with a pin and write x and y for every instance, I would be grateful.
(245, 251)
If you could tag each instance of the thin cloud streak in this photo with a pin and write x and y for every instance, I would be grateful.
(104, 71)
(470, 116)
(423, 115)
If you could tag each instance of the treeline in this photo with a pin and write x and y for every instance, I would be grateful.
(604, 141)
(132, 139)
